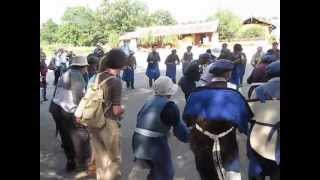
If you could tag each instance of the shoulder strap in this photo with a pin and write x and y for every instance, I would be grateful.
(104, 81)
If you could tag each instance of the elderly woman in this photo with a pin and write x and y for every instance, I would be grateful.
(259, 166)
(187, 58)
(259, 72)
(171, 62)
(128, 72)
(153, 60)
(69, 91)
(150, 139)
(215, 112)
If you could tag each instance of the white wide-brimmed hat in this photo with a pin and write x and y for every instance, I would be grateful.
(79, 61)
(164, 86)
(263, 138)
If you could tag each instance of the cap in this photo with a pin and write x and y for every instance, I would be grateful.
(268, 58)
(204, 56)
(221, 66)
(273, 69)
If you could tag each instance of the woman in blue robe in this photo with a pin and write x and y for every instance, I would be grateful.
(239, 59)
(215, 112)
(153, 60)
(171, 62)
(259, 167)
(128, 72)
(150, 140)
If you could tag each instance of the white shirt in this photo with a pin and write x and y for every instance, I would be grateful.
(61, 59)
(206, 76)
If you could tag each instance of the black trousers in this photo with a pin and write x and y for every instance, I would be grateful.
(270, 168)
(57, 74)
(151, 82)
(75, 139)
(130, 84)
(44, 88)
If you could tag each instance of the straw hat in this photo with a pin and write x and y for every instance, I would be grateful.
(262, 138)
(164, 86)
(79, 61)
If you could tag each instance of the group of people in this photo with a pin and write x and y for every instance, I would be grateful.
(212, 114)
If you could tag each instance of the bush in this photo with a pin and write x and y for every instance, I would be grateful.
(148, 40)
(251, 32)
(170, 40)
(113, 39)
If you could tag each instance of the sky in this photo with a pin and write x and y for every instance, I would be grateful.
(182, 10)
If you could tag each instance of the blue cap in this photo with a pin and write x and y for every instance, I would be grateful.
(204, 56)
(273, 69)
(221, 66)
(268, 58)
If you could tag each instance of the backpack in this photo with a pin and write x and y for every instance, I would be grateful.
(90, 109)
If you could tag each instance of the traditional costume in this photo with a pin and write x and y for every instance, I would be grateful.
(187, 58)
(150, 139)
(153, 71)
(264, 141)
(216, 112)
(171, 63)
(128, 72)
(239, 68)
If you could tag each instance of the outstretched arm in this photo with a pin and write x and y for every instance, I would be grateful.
(170, 115)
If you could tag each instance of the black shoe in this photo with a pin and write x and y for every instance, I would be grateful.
(70, 166)
(45, 99)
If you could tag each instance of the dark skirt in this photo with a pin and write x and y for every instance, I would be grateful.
(157, 152)
(201, 146)
(171, 71)
(128, 74)
(153, 71)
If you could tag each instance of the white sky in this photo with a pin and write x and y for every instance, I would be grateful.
(182, 10)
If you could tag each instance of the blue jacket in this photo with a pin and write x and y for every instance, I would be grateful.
(219, 104)
(156, 149)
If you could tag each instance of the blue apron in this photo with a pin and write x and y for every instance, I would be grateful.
(128, 74)
(171, 71)
(153, 71)
(236, 75)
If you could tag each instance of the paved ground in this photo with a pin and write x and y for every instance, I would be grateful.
(52, 160)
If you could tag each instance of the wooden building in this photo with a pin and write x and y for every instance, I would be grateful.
(199, 33)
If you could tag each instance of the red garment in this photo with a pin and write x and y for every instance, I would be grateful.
(43, 68)
(258, 74)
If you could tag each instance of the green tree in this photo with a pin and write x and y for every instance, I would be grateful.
(70, 34)
(162, 17)
(229, 24)
(48, 31)
(82, 16)
(78, 26)
(123, 15)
